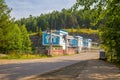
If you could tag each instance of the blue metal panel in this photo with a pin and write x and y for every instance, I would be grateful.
(46, 39)
(85, 43)
(74, 42)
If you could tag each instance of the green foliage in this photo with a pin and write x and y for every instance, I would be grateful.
(6, 28)
(109, 12)
(40, 32)
(112, 34)
(23, 56)
(12, 36)
(26, 43)
(57, 20)
(31, 34)
(15, 39)
(88, 31)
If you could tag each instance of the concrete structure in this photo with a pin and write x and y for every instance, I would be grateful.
(63, 35)
(58, 38)
(87, 43)
(80, 43)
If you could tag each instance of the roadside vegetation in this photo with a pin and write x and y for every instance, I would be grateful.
(32, 34)
(23, 56)
(107, 13)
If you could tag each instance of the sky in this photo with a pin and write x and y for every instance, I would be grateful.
(24, 8)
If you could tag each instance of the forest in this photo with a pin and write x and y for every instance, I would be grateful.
(65, 19)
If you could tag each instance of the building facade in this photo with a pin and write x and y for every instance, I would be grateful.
(66, 43)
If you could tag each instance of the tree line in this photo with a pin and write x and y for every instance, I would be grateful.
(64, 19)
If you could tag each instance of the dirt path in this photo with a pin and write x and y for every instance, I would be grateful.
(81, 56)
(85, 70)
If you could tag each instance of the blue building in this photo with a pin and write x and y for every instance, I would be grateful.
(62, 39)
(87, 43)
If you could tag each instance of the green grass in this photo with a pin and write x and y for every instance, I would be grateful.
(88, 31)
(117, 64)
(114, 61)
(23, 56)
(31, 34)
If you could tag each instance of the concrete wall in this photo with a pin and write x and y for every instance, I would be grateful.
(62, 52)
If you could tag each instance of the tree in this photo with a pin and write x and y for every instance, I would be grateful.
(59, 20)
(40, 32)
(6, 27)
(12, 36)
(15, 40)
(78, 29)
(112, 25)
(109, 12)
(35, 25)
(26, 43)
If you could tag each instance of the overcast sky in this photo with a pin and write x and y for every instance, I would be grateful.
(23, 8)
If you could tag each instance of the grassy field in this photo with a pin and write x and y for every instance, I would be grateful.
(88, 31)
(31, 34)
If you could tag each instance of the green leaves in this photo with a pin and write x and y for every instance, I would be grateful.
(109, 12)
(11, 36)
(26, 43)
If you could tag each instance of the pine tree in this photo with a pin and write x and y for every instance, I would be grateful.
(40, 32)
(15, 39)
(26, 43)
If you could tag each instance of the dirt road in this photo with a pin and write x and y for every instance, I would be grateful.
(85, 70)
(84, 66)
(21, 69)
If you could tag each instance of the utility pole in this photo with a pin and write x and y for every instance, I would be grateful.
(78, 45)
(50, 51)
(66, 44)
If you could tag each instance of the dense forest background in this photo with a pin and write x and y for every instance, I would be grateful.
(65, 19)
